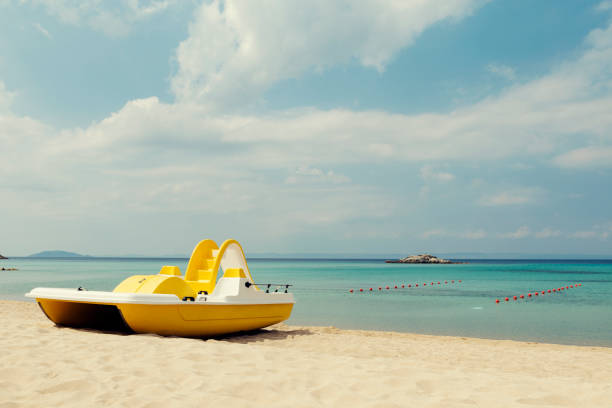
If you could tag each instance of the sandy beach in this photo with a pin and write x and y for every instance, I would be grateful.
(288, 366)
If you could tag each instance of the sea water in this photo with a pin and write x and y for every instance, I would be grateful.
(582, 315)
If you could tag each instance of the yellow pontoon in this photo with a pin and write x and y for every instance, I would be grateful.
(195, 305)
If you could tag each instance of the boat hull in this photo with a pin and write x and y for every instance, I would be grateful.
(189, 319)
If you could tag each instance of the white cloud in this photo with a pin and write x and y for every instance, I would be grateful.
(522, 232)
(547, 233)
(112, 18)
(516, 196)
(42, 30)
(237, 48)
(305, 174)
(502, 70)
(429, 173)
(586, 157)
(528, 121)
(238, 163)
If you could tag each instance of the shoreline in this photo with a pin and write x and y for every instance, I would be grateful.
(373, 331)
(296, 366)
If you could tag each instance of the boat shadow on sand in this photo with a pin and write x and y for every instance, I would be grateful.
(260, 335)
(254, 336)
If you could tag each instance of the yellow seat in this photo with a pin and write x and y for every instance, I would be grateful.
(170, 270)
(234, 273)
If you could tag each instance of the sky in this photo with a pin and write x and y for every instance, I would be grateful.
(327, 127)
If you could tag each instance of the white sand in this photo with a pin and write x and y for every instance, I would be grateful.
(42, 365)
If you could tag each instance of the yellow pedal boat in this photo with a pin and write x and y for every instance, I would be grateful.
(196, 305)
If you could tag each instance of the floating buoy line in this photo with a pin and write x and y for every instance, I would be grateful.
(404, 286)
(539, 293)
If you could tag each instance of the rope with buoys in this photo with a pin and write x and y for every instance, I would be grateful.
(538, 293)
(405, 285)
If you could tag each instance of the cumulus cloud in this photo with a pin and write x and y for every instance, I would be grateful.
(535, 119)
(586, 157)
(152, 157)
(238, 48)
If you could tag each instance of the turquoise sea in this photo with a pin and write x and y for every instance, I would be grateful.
(581, 315)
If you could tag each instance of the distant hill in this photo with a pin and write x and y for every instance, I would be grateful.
(3, 257)
(56, 254)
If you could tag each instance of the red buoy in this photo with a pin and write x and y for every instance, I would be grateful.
(416, 286)
(409, 285)
(432, 283)
(548, 290)
(543, 292)
(571, 286)
(395, 287)
(424, 284)
(522, 296)
(438, 283)
(529, 295)
(370, 289)
(452, 281)
(361, 290)
(459, 281)
(402, 286)
(386, 287)
(514, 297)
(496, 300)
(351, 290)
(379, 288)
(506, 299)
(537, 293)
(567, 287)
(445, 281)
(554, 290)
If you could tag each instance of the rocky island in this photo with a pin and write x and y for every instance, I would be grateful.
(423, 259)
(3, 257)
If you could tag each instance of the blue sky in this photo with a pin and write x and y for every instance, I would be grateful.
(371, 127)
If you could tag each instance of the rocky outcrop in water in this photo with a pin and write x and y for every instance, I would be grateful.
(423, 259)
(3, 257)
